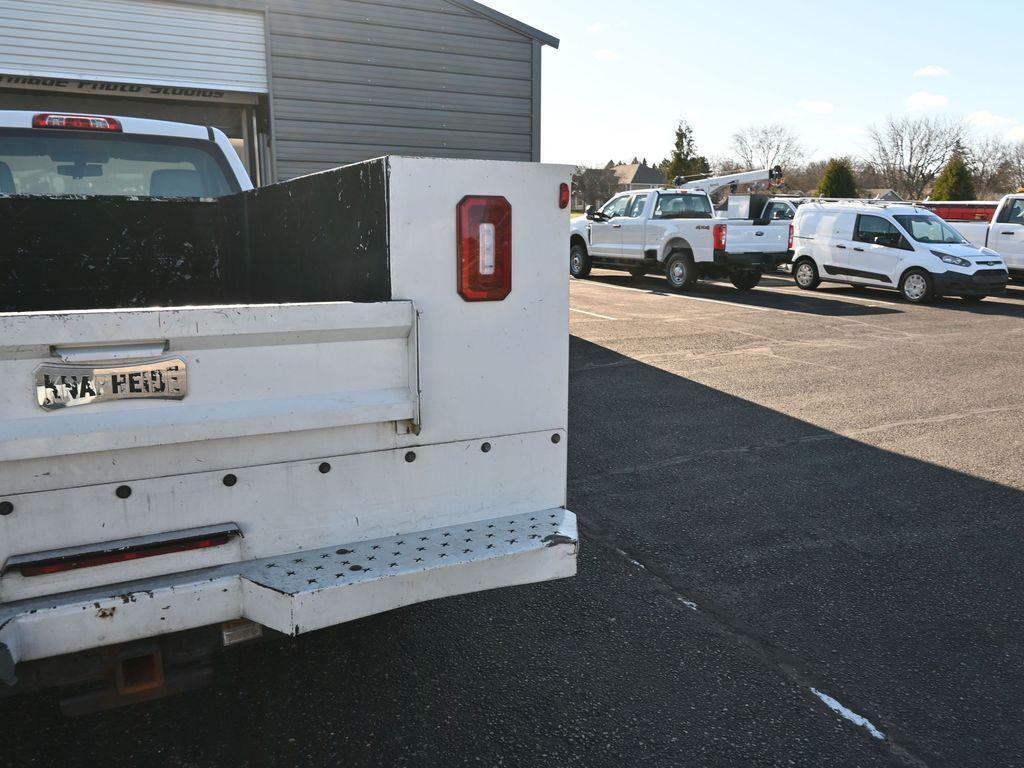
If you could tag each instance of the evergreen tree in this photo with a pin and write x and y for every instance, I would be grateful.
(838, 180)
(684, 160)
(954, 183)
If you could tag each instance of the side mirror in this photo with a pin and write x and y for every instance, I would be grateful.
(590, 212)
(888, 240)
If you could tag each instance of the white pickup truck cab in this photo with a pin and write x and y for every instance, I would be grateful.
(246, 411)
(1003, 233)
(892, 245)
(672, 231)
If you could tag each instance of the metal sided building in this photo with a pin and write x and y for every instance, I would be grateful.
(298, 85)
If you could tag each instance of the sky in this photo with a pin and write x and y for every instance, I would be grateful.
(627, 72)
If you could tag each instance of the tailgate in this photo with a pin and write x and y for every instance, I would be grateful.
(113, 396)
(745, 237)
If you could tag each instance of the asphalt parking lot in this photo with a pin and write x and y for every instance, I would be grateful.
(780, 493)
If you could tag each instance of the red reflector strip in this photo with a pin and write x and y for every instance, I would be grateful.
(61, 565)
(563, 196)
(76, 122)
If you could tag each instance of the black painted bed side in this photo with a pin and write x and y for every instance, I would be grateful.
(316, 238)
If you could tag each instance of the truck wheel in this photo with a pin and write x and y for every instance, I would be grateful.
(917, 287)
(681, 271)
(637, 271)
(745, 281)
(805, 273)
(579, 261)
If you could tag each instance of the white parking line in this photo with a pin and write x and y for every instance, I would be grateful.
(592, 314)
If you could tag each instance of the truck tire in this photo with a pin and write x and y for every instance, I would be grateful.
(579, 261)
(745, 281)
(805, 273)
(917, 286)
(680, 271)
(637, 271)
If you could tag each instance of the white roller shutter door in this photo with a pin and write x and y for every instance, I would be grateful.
(134, 41)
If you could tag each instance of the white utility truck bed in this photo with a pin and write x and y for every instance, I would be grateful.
(387, 428)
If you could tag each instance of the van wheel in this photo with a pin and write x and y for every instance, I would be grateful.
(917, 287)
(579, 261)
(637, 271)
(681, 271)
(745, 281)
(805, 273)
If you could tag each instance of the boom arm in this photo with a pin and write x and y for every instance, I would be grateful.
(733, 180)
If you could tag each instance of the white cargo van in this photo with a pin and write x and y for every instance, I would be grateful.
(888, 245)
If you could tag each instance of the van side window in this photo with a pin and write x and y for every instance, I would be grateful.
(877, 231)
(637, 208)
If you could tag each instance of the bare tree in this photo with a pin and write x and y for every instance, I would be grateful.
(594, 185)
(804, 179)
(989, 161)
(909, 152)
(723, 166)
(1016, 162)
(765, 146)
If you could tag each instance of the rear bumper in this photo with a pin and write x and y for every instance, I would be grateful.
(758, 260)
(298, 592)
(981, 283)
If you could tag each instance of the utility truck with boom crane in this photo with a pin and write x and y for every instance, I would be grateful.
(675, 231)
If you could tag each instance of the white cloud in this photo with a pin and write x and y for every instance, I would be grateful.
(1016, 134)
(983, 118)
(927, 100)
(932, 70)
(605, 54)
(817, 107)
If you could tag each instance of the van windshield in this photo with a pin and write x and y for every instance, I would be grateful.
(56, 162)
(930, 229)
(682, 207)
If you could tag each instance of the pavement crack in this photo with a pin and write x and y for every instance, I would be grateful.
(790, 668)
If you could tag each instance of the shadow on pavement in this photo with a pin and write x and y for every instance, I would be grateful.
(894, 582)
(804, 303)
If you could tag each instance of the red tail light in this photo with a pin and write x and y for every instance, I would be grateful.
(563, 196)
(485, 248)
(791, 237)
(719, 238)
(76, 122)
(91, 559)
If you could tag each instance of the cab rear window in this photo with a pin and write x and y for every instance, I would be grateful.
(55, 163)
(682, 207)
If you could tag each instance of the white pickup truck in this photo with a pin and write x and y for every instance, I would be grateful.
(673, 231)
(275, 409)
(1004, 233)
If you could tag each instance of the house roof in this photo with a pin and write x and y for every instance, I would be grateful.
(883, 192)
(636, 173)
(506, 21)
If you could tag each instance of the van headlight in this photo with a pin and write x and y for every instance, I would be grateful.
(949, 258)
